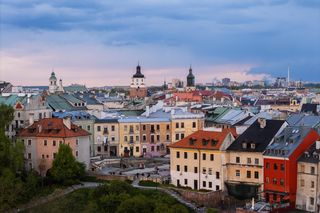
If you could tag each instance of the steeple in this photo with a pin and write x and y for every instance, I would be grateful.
(190, 78)
(138, 73)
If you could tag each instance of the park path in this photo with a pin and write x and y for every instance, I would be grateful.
(54, 196)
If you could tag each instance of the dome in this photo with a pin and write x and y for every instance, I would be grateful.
(53, 77)
(138, 73)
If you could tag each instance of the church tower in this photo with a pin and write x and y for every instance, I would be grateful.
(138, 88)
(190, 81)
(53, 83)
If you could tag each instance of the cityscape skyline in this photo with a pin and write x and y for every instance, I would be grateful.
(243, 41)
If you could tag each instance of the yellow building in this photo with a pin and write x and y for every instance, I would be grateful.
(129, 137)
(244, 158)
(106, 137)
(196, 160)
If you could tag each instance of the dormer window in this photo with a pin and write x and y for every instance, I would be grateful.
(253, 146)
(214, 142)
(204, 142)
(192, 141)
(244, 145)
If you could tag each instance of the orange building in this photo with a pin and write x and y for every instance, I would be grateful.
(42, 140)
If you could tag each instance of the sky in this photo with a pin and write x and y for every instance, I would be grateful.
(99, 43)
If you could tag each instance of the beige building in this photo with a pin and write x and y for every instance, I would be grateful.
(106, 137)
(129, 137)
(308, 183)
(196, 161)
(244, 158)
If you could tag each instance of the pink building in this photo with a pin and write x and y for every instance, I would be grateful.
(42, 140)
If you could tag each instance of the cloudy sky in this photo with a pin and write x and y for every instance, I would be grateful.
(100, 42)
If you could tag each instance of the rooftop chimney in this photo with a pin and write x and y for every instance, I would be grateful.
(318, 145)
(147, 111)
(262, 122)
(67, 122)
(31, 118)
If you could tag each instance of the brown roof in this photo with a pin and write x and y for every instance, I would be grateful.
(204, 140)
(52, 127)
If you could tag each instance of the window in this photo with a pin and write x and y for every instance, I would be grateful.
(211, 157)
(45, 142)
(267, 180)
(311, 201)
(53, 143)
(217, 175)
(178, 155)
(137, 138)
(77, 142)
(256, 175)
(182, 135)
(125, 128)
(204, 184)
(204, 156)
(178, 182)
(185, 155)
(256, 161)
(55, 154)
(126, 138)
(267, 165)
(253, 146)
(204, 170)
(88, 128)
(302, 168)
(144, 127)
(18, 114)
(42, 156)
(312, 170)
(210, 171)
(312, 184)
(237, 173)
(178, 168)
(152, 148)
(177, 125)
(274, 180)
(182, 125)
(158, 148)
(244, 145)
(275, 166)
(177, 136)
(168, 137)
(248, 174)
(195, 156)
(185, 168)
(112, 128)
(185, 181)
(99, 128)
(282, 167)
(137, 127)
(248, 160)
(99, 148)
(237, 159)
(210, 185)
(29, 142)
(137, 149)
(195, 169)
(281, 182)
(113, 139)
(158, 127)
(29, 155)
(168, 127)
(158, 137)
(194, 125)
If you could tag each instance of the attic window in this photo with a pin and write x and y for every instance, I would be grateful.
(244, 145)
(253, 146)
(214, 142)
(204, 142)
(192, 141)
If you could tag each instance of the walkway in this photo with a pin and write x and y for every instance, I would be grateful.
(172, 193)
(54, 196)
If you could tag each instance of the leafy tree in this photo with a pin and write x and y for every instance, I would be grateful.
(136, 204)
(65, 169)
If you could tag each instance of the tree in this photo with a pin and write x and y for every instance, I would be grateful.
(65, 169)
(136, 204)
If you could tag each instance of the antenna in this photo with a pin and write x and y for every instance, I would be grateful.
(288, 79)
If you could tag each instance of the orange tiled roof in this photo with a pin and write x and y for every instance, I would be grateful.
(52, 127)
(204, 140)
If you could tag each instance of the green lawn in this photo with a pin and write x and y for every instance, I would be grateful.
(115, 197)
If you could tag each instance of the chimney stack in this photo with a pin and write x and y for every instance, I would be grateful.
(31, 118)
(262, 122)
(147, 111)
(67, 122)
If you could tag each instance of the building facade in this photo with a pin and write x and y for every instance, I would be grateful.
(42, 140)
(196, 160)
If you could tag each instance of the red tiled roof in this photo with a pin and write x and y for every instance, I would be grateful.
(204, 140)
(52, 127)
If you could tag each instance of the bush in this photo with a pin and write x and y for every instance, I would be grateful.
(148, 183)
